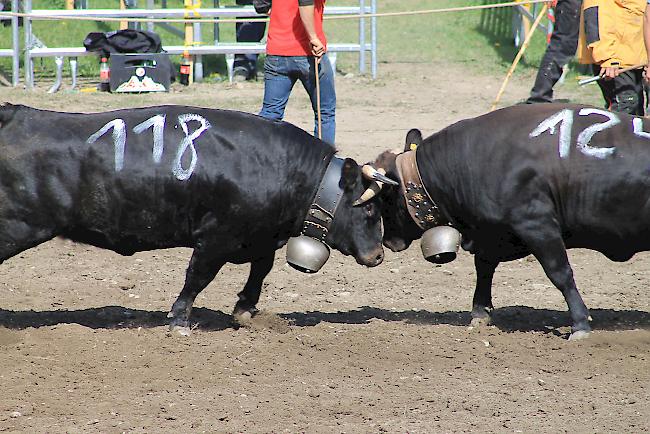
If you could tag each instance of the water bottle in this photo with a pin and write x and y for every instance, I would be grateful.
(186, 69)
(104, 75)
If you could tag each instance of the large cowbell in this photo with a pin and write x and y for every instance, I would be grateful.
(440, 244)
(307, 254)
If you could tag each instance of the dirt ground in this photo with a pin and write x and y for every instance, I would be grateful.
(84, 345)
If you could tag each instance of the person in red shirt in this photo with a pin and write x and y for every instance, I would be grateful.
(294, 43)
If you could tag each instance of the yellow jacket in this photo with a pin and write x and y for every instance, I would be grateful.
(611, 31)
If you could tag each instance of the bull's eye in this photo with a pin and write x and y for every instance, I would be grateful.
(369, 209)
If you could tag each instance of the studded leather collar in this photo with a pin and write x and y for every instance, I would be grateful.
(423, 210)
(323, 208)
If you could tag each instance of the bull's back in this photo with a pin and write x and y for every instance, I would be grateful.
(591, 167)
(145, 178)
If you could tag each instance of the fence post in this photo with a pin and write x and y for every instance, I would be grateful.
(362, 37)
(216, 23)
(198, 59)
(150, 26)
(123, 24)
(189, 37)
(27, 28)
(15, 45)
(373, 38)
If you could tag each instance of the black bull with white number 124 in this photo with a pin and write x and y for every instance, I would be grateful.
(529, 179)
(232, 186)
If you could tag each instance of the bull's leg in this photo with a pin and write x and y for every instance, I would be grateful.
(200, 272)
(482, 303)
(245, 308)
(545, 242)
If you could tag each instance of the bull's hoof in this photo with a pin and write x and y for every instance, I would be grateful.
(243, 316)
(180, 330)
(481, 321)
(579, 334)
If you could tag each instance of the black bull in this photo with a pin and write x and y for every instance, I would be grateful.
(232, 186)
(533, 179)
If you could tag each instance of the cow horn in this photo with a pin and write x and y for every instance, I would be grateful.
(378, 178)
(373, 174)
(375, 187)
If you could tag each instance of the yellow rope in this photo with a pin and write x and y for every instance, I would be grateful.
(255, 19)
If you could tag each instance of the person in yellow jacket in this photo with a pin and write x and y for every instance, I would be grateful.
(646, 37)
(611, 39)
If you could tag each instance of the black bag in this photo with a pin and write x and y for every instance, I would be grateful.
(123, 41)
(127, 41)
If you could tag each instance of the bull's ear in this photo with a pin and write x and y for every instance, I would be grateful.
(350, 174)
(413, 140)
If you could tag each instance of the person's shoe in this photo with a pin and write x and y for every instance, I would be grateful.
(532, 100)
(240, 74)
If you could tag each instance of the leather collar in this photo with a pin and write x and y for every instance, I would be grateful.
(323, 208)
(422, 209)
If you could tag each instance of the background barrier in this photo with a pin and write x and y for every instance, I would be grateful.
(35, 49)
(193, 17)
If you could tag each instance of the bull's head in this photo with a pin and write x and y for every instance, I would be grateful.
(399, 228)
(341, 219)
(356, 229)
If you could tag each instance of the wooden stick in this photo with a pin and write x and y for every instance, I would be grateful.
(598, 77)
(316, 68)
(542, 14)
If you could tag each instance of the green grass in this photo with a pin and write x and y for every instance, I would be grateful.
(480, 39)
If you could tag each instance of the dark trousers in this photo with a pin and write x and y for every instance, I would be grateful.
(624, 93)
(249, 32)
(561, 48)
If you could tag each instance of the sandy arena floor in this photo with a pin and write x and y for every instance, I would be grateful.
(84, 345)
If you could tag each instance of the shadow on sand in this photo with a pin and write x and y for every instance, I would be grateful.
(509, 319)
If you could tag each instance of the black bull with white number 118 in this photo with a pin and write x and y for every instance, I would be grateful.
(232, 186)
(529, 179)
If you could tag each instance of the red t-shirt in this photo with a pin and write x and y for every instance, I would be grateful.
(287, 35)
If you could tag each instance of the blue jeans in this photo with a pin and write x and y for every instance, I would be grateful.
(282, 72)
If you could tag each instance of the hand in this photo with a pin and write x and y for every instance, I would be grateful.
(551, 3)
(646, 73)
(317, 47)
(609, 72)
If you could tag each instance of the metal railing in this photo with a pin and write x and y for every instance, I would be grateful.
(229, 49)
(522, 16)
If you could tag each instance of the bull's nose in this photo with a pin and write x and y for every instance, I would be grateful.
(374, 259)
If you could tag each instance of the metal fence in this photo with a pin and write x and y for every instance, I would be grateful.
(32, 48)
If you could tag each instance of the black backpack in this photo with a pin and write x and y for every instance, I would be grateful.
(123, 41)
